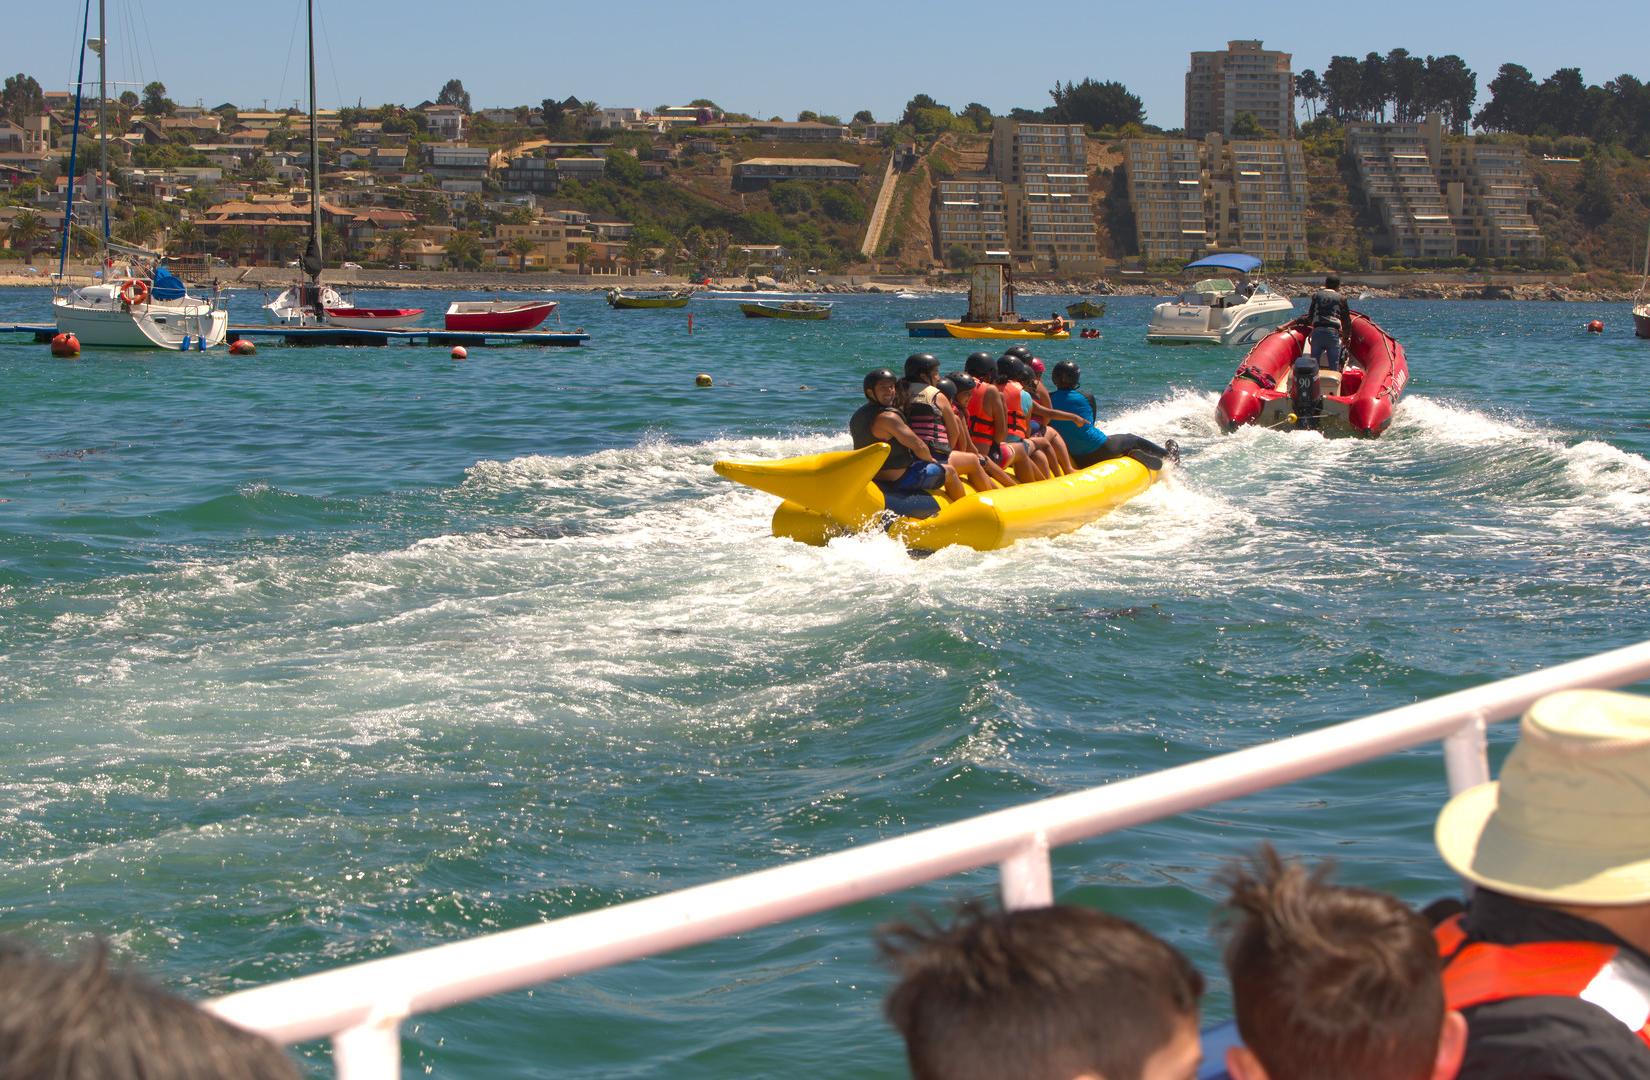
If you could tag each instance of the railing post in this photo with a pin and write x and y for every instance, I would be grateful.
(1466, 756)
(372, 1049)
(1028, 877)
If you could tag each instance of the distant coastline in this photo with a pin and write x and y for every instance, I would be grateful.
(1382, 287)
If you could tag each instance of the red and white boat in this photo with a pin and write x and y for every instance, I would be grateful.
(498, 316)
(1359, 400)
(357, 318)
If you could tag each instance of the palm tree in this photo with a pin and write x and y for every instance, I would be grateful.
(232, 240)
(636, 252)
(280, 242)
(520, 247)
(395, 245)
(464, 251)
(24, 232)
(183, 236)
(581, 253)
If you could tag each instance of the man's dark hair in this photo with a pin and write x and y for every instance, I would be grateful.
(1333, 281)
(84, 1021)
(1330, 980)
(1039, 994)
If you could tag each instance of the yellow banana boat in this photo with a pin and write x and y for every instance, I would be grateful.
(831, 494)
(964, 330)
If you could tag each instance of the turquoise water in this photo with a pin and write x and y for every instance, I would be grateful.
(323, 654)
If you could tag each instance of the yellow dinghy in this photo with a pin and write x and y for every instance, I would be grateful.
(831, 494)
(964, 330)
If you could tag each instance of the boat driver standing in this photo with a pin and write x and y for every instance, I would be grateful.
(1329, 322)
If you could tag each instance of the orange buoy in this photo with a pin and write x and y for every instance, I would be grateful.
(65, 345)
(1596, 326)
(701, 379)
(242, 347)
(459, 353)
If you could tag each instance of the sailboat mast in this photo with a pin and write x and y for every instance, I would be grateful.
(103, 111)
(314, 160)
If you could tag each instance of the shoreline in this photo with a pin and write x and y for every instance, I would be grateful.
(264, 278)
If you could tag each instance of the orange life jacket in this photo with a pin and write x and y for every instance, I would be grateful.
(1015, 406)
(982, 427)
(1479, 972)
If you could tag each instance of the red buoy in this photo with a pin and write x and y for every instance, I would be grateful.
(241, 347)
(1596, 326)
(65, 345)
(460, 353)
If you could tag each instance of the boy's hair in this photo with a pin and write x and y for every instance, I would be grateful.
(1330, 980)
(83, 1021)
(1039, 994)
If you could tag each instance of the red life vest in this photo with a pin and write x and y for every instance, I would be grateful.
(1014, 405)
(982, 428)
(1479, 972)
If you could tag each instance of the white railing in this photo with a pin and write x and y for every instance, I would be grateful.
(361, 1007)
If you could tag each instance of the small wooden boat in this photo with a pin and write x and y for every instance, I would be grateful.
(1086, 309)
(633, 301)
(497, 316)
(372, 318)
(1045, 331)
(787, 309)
(832, 494)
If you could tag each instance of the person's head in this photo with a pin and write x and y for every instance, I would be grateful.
(1008, 369)
(1333, 980)
(1052, 993)
(1333, 281)
(980, 365)
(948, 388)
(964, 385)
(1066, 375)
(1036, 366)
(1549, 830)
(80, 1020)
(921, 367)
(1019, 352)
(880, 386)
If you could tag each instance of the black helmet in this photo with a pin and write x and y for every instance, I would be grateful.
(947, 387)
(962, 383)
(1066, 374)
(920, 364)
(879, 375)
(979, 365)
(1018, 350)
(1007, 368)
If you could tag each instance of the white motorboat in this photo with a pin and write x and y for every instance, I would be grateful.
(139, 303)
(1220, 311)
(1641, 301)
(305, 304)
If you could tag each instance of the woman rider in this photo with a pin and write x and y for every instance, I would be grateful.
(928, 412)
(1089, 445)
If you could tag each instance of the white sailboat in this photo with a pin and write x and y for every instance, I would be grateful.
(139, 303)
(1641, 302)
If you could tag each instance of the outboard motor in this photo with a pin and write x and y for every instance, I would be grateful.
(1305, 396)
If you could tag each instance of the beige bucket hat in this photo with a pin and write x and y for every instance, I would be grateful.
(1569, 820)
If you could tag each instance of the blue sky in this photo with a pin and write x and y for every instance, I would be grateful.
(774, 60)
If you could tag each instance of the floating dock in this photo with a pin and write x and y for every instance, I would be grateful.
(340, 335)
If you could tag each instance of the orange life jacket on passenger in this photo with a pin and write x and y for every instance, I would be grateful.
(1479, 972)
(1019, 424)
(982, 427)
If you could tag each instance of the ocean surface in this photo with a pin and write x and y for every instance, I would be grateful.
(324, 654)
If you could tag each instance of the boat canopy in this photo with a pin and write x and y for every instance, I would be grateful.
(1230, 260)
(167, 285)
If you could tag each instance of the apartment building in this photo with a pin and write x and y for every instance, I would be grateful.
(1489, 193)
(1044, 172)
(759, 172)
(1190, 196)
(1396, 169)
(971, 213)
(1244, 78)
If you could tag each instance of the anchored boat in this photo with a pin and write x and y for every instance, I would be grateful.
(1086, 309)
(631, 301)
(497, 316)
(1358, 400)
(832, 494)
(788, 309)
(1218, 311)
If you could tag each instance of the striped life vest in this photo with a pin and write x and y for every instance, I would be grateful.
(923, 416)
(1479, 972)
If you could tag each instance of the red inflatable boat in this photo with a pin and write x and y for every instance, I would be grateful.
(1359, 400)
